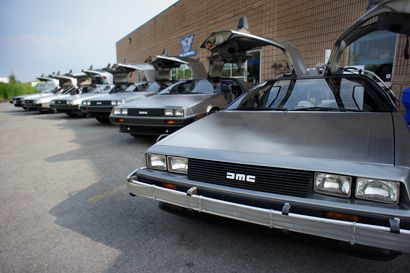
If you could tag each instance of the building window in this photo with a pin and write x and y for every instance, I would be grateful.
(183, 72)
(375, 52)
(248, 72)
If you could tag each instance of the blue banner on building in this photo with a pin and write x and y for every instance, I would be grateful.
(186, 46)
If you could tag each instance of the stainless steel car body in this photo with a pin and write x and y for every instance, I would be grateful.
(71, 84)
(101, 84)
(17, 101)
(250, 165)
(100, 107)
(198, 97)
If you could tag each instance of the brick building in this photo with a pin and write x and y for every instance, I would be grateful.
(310, 25)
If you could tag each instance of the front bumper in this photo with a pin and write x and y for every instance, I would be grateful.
(97, 111)
(150, 126)
(66, 108)
(37, 106)
(369, 235)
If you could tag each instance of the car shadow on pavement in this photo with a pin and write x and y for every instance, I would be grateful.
(151, 239)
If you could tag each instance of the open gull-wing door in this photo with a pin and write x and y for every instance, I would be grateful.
(164, 64)
(99, 76)
(66, 81)
(392, 15)
(230, 46)
(83, 79)
(123, 71)
(49, 79)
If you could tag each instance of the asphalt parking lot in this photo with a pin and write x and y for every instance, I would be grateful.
(64, 208)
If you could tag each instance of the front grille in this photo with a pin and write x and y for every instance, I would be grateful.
(100, 103)
(29, 101)
(267, 179)
(146, 112)
(60, 102)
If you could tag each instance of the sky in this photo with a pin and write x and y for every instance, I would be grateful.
(45, 36)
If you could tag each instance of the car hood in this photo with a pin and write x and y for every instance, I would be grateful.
(161, 101)
(81, 97)
(124, 96)
(38, 96)
(335, 142)
(24, 97)
(54, 97)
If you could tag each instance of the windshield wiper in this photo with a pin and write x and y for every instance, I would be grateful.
(324, 109)
(261, 109)
(317, 108)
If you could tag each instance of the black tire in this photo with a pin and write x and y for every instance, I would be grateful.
(72, 115)
(213, 110)
(103, 120)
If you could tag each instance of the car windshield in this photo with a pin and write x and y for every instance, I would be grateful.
(189, 87)
(101, 89)
(68, 90)
(123, 88)
(319, 94)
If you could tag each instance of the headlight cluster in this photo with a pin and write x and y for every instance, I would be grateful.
(86, 102)
(175, 164)
(53, 102)
(69, 102)
(116, 102)
(120, 111)
(174, 112)
(365, 188)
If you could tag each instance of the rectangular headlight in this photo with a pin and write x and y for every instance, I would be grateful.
(179, 112)
(157, 162)
(333, 184)
(124, 111)
(116, 111)
(377, 190)
(169, 112)
(113, 102)
(177, 164)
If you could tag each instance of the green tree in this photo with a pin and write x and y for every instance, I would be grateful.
(12, 78)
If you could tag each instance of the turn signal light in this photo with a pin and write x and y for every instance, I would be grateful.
(120, 120)
(171, 122)
(342, 216)
(169, 186)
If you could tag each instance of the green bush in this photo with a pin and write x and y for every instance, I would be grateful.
(9, 90)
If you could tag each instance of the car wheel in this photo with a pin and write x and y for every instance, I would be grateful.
(103, 120)
(213, 110)
(71, 115)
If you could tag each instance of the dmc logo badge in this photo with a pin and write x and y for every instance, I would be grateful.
(241, 177)
(99, 102)
(143, 112)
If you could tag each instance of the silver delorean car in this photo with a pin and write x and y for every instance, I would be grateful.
(71, 83)
(49, 87)
(323, 153)
(100, 83)
(124, 91)
(179, 104)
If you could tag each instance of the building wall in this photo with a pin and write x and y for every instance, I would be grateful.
(310, 25)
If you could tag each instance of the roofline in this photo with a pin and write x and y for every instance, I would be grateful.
(147, 22)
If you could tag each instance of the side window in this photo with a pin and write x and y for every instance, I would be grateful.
(352, 95)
